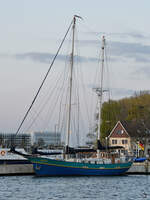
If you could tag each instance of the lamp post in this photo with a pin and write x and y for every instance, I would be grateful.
(106, 143)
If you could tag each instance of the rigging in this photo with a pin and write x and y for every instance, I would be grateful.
(43, 80)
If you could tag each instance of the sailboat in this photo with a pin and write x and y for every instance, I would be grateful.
(69, 165)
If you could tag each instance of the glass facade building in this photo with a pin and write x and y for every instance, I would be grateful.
(46, 138)
(22, 140)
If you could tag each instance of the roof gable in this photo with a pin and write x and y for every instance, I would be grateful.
(119, 131)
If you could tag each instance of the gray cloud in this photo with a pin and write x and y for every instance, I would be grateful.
(136, 35)
(136, 51)
(46, 57)
(40, 57)
(133, 34)
(122, 48)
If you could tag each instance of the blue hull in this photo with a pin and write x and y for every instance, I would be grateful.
(49, 167)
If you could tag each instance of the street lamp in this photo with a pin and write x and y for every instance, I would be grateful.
(106, 142)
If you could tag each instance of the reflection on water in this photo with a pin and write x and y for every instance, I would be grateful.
(103, 188)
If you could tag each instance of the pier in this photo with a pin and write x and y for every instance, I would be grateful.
(140, 168)
(27, 169)
(16, 169)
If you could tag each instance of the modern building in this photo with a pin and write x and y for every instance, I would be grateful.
(22, 140)
(26, 140)
(45, 139)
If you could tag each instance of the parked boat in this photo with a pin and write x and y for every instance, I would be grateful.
(139, 159)
(52, 167)
(70, 163)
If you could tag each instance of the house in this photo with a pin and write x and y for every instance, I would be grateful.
(120, 137)
(128, 135)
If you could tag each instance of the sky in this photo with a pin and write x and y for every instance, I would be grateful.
(31, 32)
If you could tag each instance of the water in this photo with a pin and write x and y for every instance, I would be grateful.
(90, 188)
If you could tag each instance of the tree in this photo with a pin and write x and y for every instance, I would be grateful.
(134, 109)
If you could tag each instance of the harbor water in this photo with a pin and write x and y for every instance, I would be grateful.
(65, 188)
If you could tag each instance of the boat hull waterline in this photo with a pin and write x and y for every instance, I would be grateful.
(52, 167)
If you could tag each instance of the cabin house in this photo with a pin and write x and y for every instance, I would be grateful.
(129, 135)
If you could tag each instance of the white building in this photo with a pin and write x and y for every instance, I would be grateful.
(22, 140)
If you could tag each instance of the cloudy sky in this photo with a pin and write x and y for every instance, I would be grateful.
(31, 32)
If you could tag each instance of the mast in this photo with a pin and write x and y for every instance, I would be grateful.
(101, 87)
(99, 92)
(70, 88)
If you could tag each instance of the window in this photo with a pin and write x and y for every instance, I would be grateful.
(119, 131)
(114, 141)
(124, 141)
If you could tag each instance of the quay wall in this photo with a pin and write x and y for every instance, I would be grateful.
(140, 168)
(27, 169)
(16, 169)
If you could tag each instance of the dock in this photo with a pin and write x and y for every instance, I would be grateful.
(8, 169)
(16, 169)
(140, 168)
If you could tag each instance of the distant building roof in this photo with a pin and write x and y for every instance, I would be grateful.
(129, 129)
(119, 131)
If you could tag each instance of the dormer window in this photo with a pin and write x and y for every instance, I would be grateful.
(119, 132)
